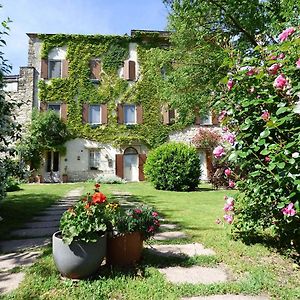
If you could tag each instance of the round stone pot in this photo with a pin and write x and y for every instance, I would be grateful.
(125, 249)
(79, 259)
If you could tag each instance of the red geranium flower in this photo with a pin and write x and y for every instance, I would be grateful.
(97, 185)
(98, 198)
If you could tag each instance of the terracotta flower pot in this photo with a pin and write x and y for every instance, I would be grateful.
(79, 259)
(125, 249)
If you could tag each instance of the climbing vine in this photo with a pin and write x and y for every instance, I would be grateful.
(77, 88)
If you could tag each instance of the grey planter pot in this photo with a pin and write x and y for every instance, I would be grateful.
(79, 259)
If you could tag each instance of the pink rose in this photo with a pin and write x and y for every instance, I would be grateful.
(298, 63)
(280, 82)
(227, 172)
(228, 207)
(251, 72)
(228, 218)
(230, 138)
(137, 211)
(154, 214)
(230, 84)
(289, 210)
(222, 116)
(231, 183)
(265, 116)
(281, 56)
(230, 201)
(274, 69)
(267, 159)
(218, 152)
(273, 57)
(286, 33)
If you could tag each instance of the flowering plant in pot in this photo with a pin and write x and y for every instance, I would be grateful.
(80, 245)
(129, 229)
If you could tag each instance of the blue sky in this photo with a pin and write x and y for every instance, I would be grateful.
(75, 16)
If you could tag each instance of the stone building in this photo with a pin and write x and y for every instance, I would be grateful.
(55, 79)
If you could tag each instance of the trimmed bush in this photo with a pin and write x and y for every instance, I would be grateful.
(109, 179)
(174, 167)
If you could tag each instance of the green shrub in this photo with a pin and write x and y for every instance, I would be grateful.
(174, 167)
(12, 184)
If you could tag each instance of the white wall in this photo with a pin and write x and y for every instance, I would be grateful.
(58, 53)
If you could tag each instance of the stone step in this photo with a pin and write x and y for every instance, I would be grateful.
(47, 218)
(166, 227)
(10, 281)
(163, 236)
(53, 212)
(34, 232)
(189, 250)
(12, 260)
(194, 275)
(23, 244)
(41, 224)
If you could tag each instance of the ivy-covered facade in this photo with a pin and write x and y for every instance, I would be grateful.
(108, 91)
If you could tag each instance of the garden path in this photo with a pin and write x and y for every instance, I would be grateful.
(34, 234)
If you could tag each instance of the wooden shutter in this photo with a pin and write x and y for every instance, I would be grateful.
(165, 114)
(85, 113)
(139, 114)
(119, 165)
(44, 68)
(95, 68)
(197, 116)
(65, 68)
(215, 118)
(129, 70)
(209, 165)
(142, 160)
(63, 112)
(104, 113)
(43, 106)
(120, 113)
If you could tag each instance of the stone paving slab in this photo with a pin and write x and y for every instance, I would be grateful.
(33, 232)
(165, 227)
(227, 297)
(180, 250)
(56, 207)
(46, 218)
(75, 193)
(9, 282)
(12, 260)
(163, 236)
(195, 274)
(53, 212)
(41, 224)
(22, 244)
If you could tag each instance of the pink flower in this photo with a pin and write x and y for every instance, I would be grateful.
(137, 211)
(273, 57)
(298, 63)
(281, 56)
(230, 201)
(227, 172)
(218, 221)
(228, 218)
(230, 138)
(265, 116)
(228, 207)
(150, 229)
(154, 214)
(286, 33)
(267, 159)
(280, 82)
(218, 152)
(230, 84)
(251, 72)
(224, 128)
(222, 116)
(231, 183)
(225, 197)
(289, 210)
(274, 69)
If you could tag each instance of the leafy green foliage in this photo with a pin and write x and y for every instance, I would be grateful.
(173, 166)
(46, 132)
(261, 113)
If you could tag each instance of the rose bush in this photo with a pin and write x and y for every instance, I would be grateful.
(259, 108)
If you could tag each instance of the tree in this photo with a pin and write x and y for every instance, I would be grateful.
(9, 129)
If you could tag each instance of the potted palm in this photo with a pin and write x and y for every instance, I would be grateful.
(129, 229)
(80, 246)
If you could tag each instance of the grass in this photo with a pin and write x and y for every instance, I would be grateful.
(253, 269)
(21, 206)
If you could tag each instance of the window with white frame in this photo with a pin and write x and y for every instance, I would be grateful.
(95, 114)
(129, 114)
(94, 161)
(54, 69)
(55, 108)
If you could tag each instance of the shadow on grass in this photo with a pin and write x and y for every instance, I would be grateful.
(21, 208)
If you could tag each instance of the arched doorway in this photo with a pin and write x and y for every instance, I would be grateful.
(131, 167)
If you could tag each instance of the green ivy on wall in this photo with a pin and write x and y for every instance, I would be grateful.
(78, 89)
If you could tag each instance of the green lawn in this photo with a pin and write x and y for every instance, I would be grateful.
(253, 269)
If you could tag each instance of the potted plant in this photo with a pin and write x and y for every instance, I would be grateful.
(129, 229)
(80, 245)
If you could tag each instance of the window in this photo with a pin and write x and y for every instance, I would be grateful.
(52, 161)
(94, 159)
(95, 114)
(54, 69)
(55, 108)
(129, 114)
